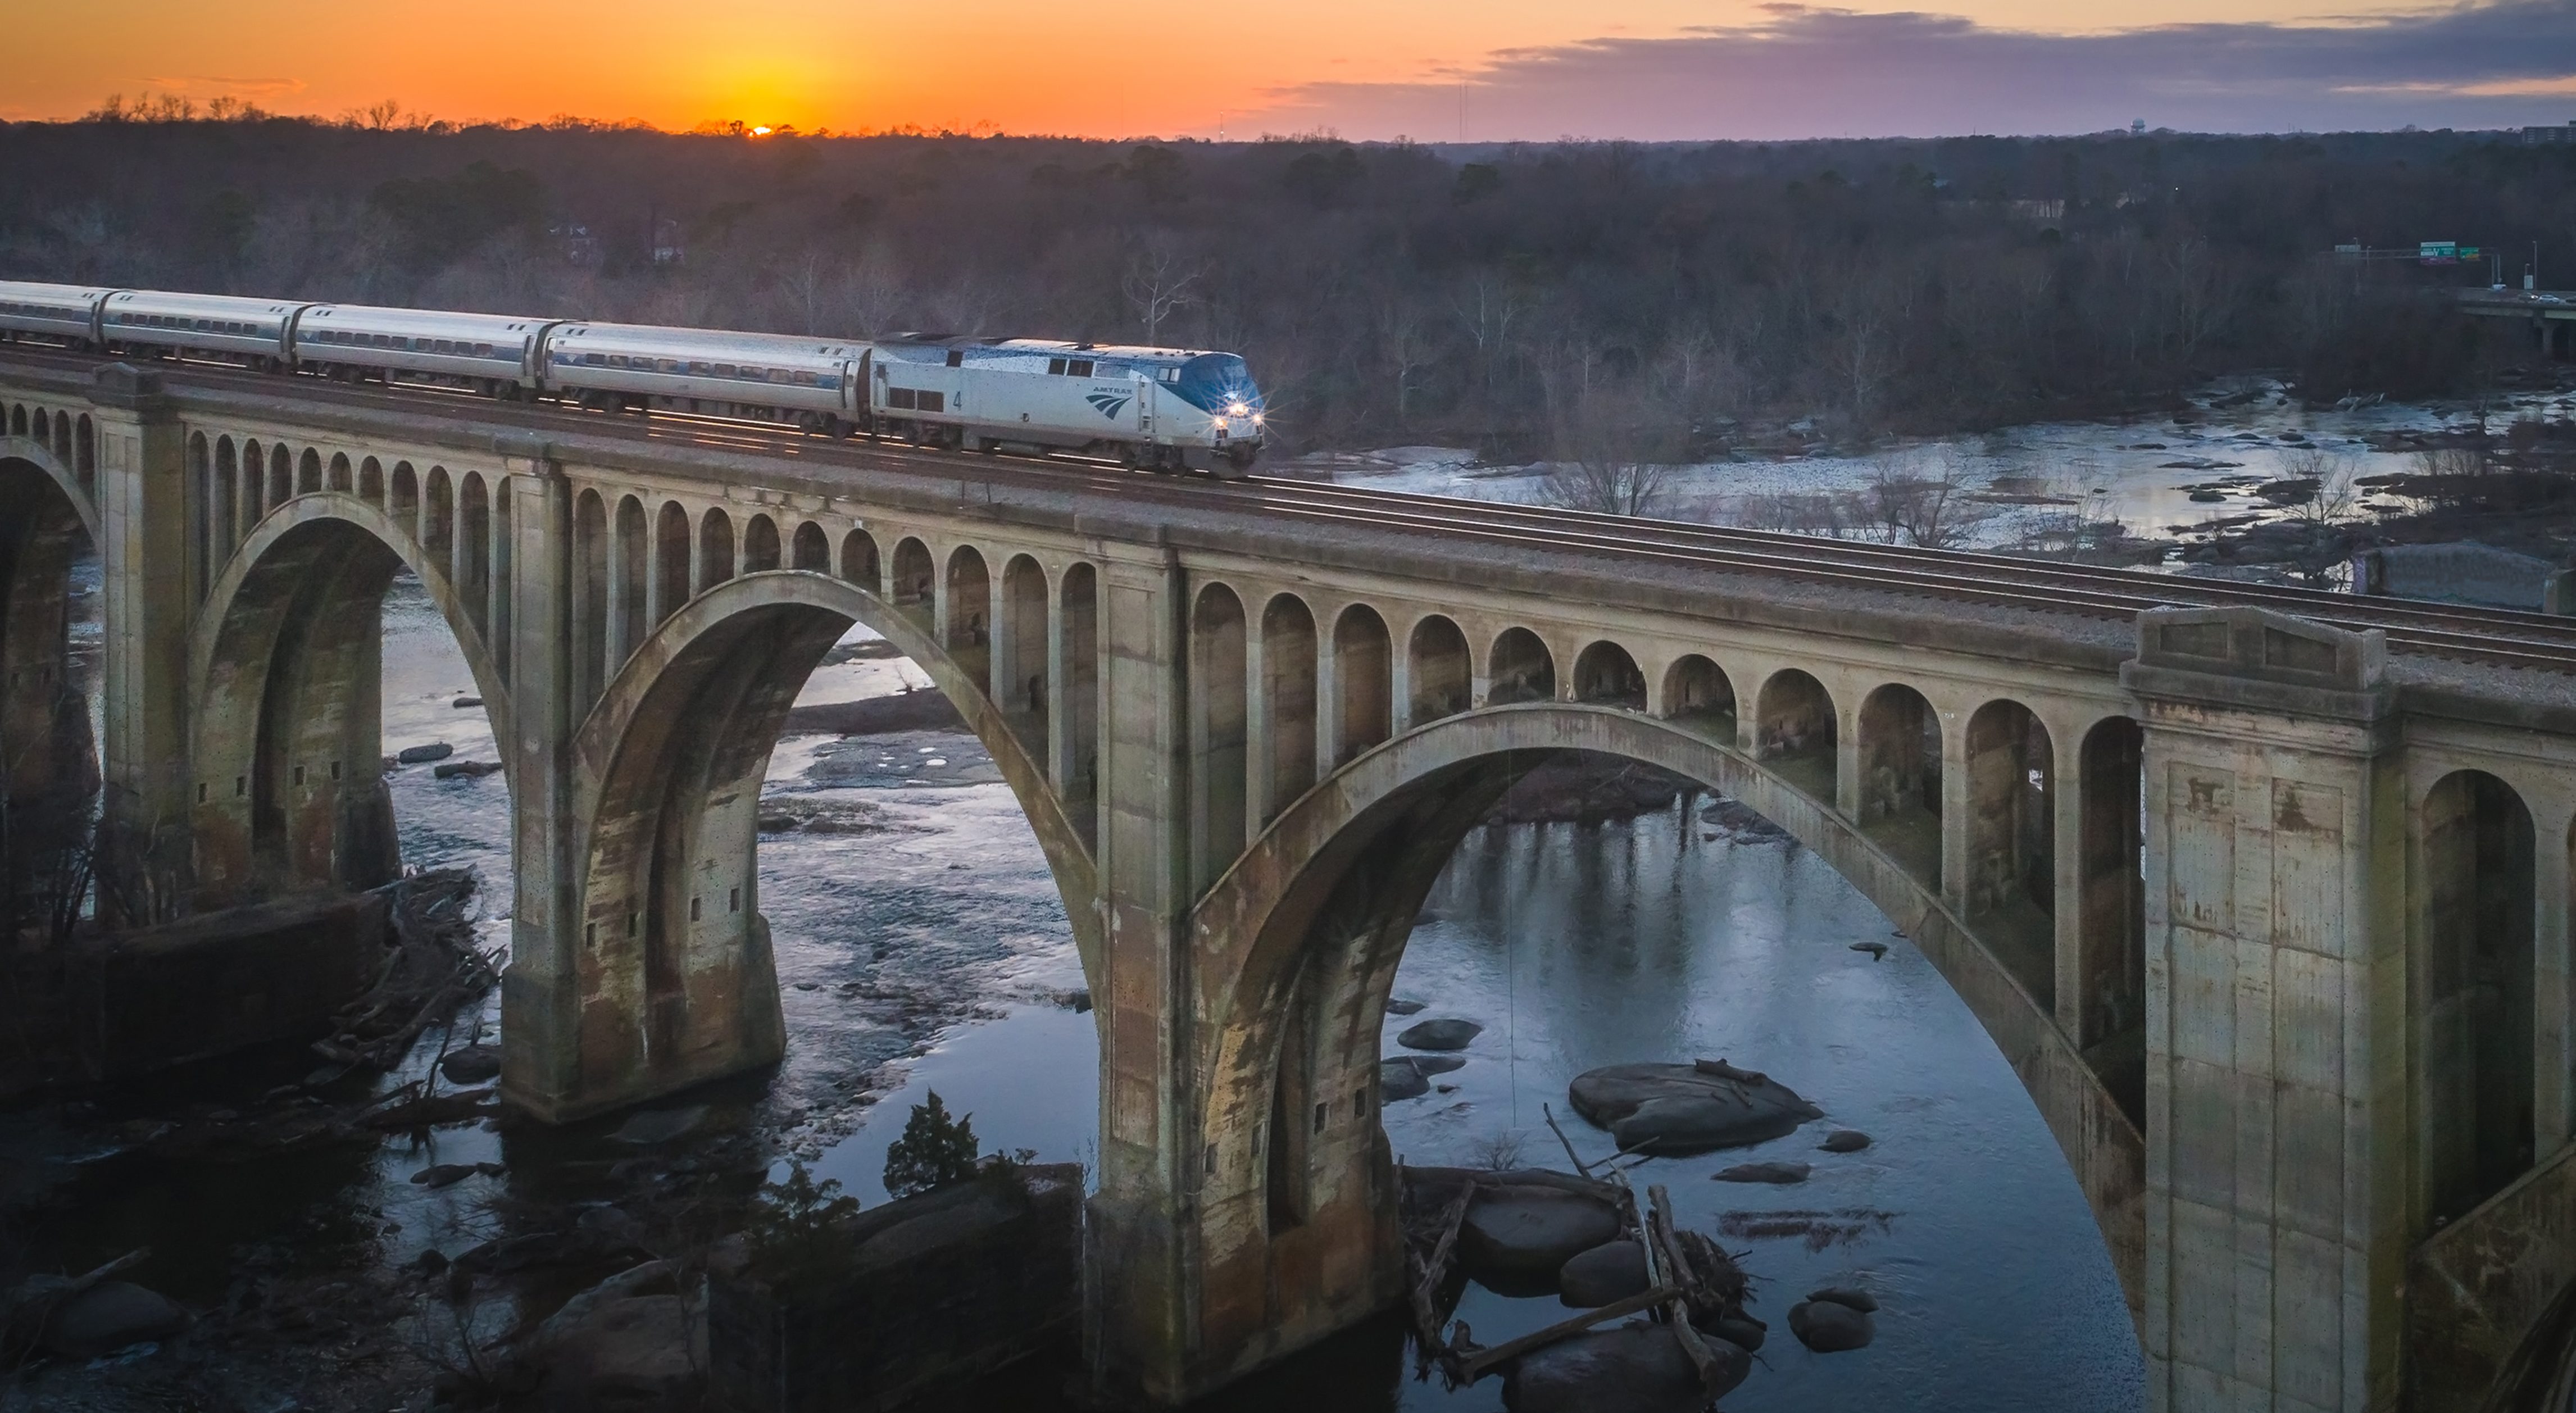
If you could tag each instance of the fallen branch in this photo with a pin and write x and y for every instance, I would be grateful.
(1664, 1250)
(1571, 1156)
(1483, 1361)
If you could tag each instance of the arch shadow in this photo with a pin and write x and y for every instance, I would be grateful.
(283, 688)
(14, 447)
(1313, 921)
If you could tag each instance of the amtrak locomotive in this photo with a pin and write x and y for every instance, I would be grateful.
(1156, 407)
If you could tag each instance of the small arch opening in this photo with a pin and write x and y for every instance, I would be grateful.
(1697, 694)
(2012, 842)
(308, 472)
(1288, 671)
(812, 549)
(970, 604)
(859, 561)
(759, 545)
(1363, 683)
(915, 583)
(1900, 778)
(2478, 965)
(1443, 672)
(715, 548)
(1520, 669)
(671, 556)
(1219, 721)
(1795, 734)
(1606, 675)
(343, 477)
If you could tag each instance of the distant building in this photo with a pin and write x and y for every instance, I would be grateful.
(669, 247)
(579, 246)
(2053, 209)
(2549, 137)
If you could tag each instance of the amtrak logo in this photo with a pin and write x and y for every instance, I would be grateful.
(1109, 403)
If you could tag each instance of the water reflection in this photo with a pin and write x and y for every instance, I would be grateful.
(1672, 938)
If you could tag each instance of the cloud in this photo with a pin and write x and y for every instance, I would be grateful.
(257, 90)
(1807, 72)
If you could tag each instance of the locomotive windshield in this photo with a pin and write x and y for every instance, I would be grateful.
(1218, 383)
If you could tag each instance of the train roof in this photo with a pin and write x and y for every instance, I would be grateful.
(163, 302)
(39, 292)
(898, 345)
(655, 338)
(389, 318)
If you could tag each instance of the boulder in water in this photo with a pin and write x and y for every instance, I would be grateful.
(108, 1317)
(1399, 1080)
(1739, 1329)
(414, 755)
(1831, 1327)
(1518, 1236)
(1675, 1111)
(1438, 1064)
(1850, 1295)
(1402, 1007)
(1636, 1368)
(1763, 1172)
(472, 1064)
(1604, 1275)
(1844, 1140)
(1439, 1035)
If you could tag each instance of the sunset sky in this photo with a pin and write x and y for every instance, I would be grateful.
(1436, 70)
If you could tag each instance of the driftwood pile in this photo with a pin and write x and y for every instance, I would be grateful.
(431, 968)
(1689, 1279)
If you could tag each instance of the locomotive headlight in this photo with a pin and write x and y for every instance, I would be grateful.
(1256, 419)
(1236, 409)
(1220, 423)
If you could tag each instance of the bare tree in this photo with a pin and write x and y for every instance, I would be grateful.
(1158, 282)
(1407, 352)
(1615, 453)
(1922, 499)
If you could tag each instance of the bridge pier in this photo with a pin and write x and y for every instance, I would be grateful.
(2278, 1157)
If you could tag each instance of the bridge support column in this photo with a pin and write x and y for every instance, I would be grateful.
(147, 572)
(1142, 1253)
(541, 1059)
(2278, 1151)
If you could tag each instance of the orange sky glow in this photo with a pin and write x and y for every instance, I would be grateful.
(1022, 66)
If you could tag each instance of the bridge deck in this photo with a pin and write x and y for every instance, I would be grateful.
(2486, 664)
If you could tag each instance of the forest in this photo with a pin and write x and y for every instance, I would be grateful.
(1675, 298)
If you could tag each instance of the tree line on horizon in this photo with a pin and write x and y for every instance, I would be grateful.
(1670, 299)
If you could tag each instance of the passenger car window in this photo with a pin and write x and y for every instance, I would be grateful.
(1078, 368)
(933, 402)
(901, 397)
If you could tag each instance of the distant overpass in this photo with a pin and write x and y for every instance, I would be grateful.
(2550, 313)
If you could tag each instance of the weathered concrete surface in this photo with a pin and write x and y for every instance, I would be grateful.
(917, 1296)
(2272, 925)
(105, 1008)
(2483, 1288)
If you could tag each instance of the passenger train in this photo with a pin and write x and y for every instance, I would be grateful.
(1162, 408)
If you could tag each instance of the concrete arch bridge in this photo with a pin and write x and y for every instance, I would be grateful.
(2269, 908)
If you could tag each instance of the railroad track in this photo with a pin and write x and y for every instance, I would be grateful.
(2500, 637)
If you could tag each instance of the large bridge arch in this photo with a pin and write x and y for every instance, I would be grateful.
(284, 673)
(671, 974)
(50, 762)
(1307, 930)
